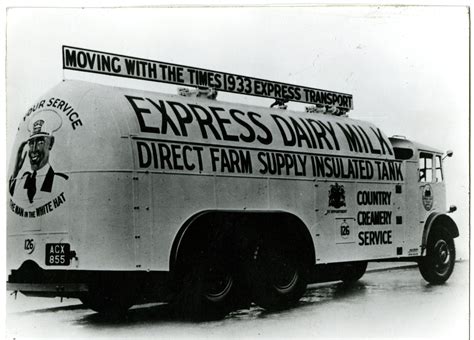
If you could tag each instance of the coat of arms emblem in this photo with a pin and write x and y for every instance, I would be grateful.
(337, 197)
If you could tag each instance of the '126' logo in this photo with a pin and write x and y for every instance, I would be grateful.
(29, 245)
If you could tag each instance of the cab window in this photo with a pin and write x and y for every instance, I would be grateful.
(426, 167)
(439, 169)
(403, 153)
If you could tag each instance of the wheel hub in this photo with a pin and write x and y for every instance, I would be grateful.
(284, 286)
(218, 284)
(285, 278)
(442, 256)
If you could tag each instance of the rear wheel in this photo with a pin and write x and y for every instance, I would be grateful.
(438, 264)
(108, 300)
(276, 276)
(208, 289)
(353, 272)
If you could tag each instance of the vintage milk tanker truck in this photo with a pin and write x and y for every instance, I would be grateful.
(119, 196)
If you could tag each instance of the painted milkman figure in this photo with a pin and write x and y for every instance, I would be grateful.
(36, 184)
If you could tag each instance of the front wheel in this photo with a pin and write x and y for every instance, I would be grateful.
(438, 264)
(276, 276)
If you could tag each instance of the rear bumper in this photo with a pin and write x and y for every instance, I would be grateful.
(30, 279)
(48, 289)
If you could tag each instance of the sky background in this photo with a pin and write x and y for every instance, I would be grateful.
(407, 67)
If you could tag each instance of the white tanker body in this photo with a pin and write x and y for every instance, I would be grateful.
(118, 195)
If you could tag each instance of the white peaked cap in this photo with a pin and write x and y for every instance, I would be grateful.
(44, 123)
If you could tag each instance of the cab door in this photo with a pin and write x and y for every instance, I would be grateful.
(431, 184)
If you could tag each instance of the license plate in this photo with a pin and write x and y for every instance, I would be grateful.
(58, 254)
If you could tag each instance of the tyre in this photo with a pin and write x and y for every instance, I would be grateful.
(438, 264)
(276, 276)
(353, 272)
(208, 290)
(108, 300)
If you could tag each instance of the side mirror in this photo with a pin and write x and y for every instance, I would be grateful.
(449, 153)
(452, 208)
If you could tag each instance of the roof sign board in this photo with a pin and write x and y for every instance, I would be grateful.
(85, 60)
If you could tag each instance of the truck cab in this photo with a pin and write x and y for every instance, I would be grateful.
(425, 200)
